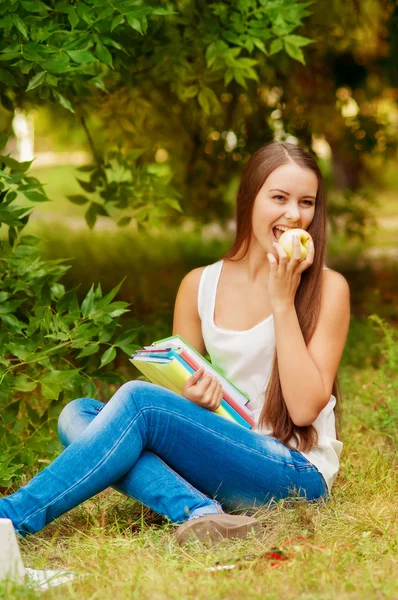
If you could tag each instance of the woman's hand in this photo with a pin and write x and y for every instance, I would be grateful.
(206, 393)
(285, 275)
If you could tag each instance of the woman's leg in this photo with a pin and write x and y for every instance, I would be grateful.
(241, 467)
(149, 477)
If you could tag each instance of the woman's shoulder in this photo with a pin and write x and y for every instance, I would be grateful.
(191, 282)
(332, 275)
(192, 278)
(335, 284)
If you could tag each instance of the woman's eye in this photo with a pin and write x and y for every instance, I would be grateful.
(279, 197)
(308, 202)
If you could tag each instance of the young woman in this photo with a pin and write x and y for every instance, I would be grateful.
(276, 328)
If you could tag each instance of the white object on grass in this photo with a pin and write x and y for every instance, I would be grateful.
(12, 567)
(43, 580)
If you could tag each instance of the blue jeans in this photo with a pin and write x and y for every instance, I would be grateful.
(170, 454)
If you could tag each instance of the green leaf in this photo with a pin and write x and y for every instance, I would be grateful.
(87, 168)
(63, 101)
(3, 142)
(23, 384)
(135, 23)
(36, 197)
(276, 46)
(7, 103)
(78, 199)
(159, 11)
(104, 302)
(88, 303)
(53, 383)
(73, 17)
(208, 101)
(86, 185)
(91, 215)
(10, 412)
(100, 210)
(173, 203)
(12, 235)
(215, 50)
(51, 80)
(89, 350)
(135, 153)
(260, 45)
(36, 81)
(189, 92)
(297, 40)
(125, 341)
(20, 25)
(68, 301)
(81, 56)
(90, 391)
(103, 54)
(35, 6)
(7, 78)
(108, 356)
(59, 65)
(295, 52)
(85, 12)
(10, 55)
(116, 21)
(124, 221)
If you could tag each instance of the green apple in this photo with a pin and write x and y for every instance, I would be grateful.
(286, 241)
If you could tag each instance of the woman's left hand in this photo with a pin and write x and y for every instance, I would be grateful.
(285, 274)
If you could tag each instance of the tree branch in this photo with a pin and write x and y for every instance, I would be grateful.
(90, 139)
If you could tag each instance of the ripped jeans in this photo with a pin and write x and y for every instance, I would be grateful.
(175, 457)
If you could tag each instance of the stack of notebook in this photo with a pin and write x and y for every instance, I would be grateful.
(170, 362)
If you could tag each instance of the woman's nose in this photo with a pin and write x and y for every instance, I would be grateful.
(292, 212)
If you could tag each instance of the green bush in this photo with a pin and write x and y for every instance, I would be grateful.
(52, 347)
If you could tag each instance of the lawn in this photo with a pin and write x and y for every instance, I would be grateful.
(350, 550)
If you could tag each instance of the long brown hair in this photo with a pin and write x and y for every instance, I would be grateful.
(308, 296)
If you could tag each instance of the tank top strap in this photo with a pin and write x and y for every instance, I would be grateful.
(207, 289)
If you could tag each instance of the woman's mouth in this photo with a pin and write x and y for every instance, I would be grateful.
(276, 232)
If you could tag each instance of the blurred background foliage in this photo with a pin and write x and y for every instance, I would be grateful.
(179, 95)
(144, 115)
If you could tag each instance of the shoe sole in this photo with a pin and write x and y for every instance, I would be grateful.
(215, 528)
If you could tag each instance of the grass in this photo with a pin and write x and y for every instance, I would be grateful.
(123, 550)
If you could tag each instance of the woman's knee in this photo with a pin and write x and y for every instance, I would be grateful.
(75, 417)
(134, 389)
(136, 386)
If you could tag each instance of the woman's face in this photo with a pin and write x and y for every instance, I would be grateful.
(287, 198)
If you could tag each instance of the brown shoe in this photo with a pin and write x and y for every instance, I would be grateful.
(217, 527)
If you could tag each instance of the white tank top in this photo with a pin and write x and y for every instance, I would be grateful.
(245, 357)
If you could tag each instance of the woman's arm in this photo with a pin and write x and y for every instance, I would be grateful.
(187, 322)
(201, 388)
(307, 373)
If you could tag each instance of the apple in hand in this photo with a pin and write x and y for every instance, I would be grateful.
(286, 241)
